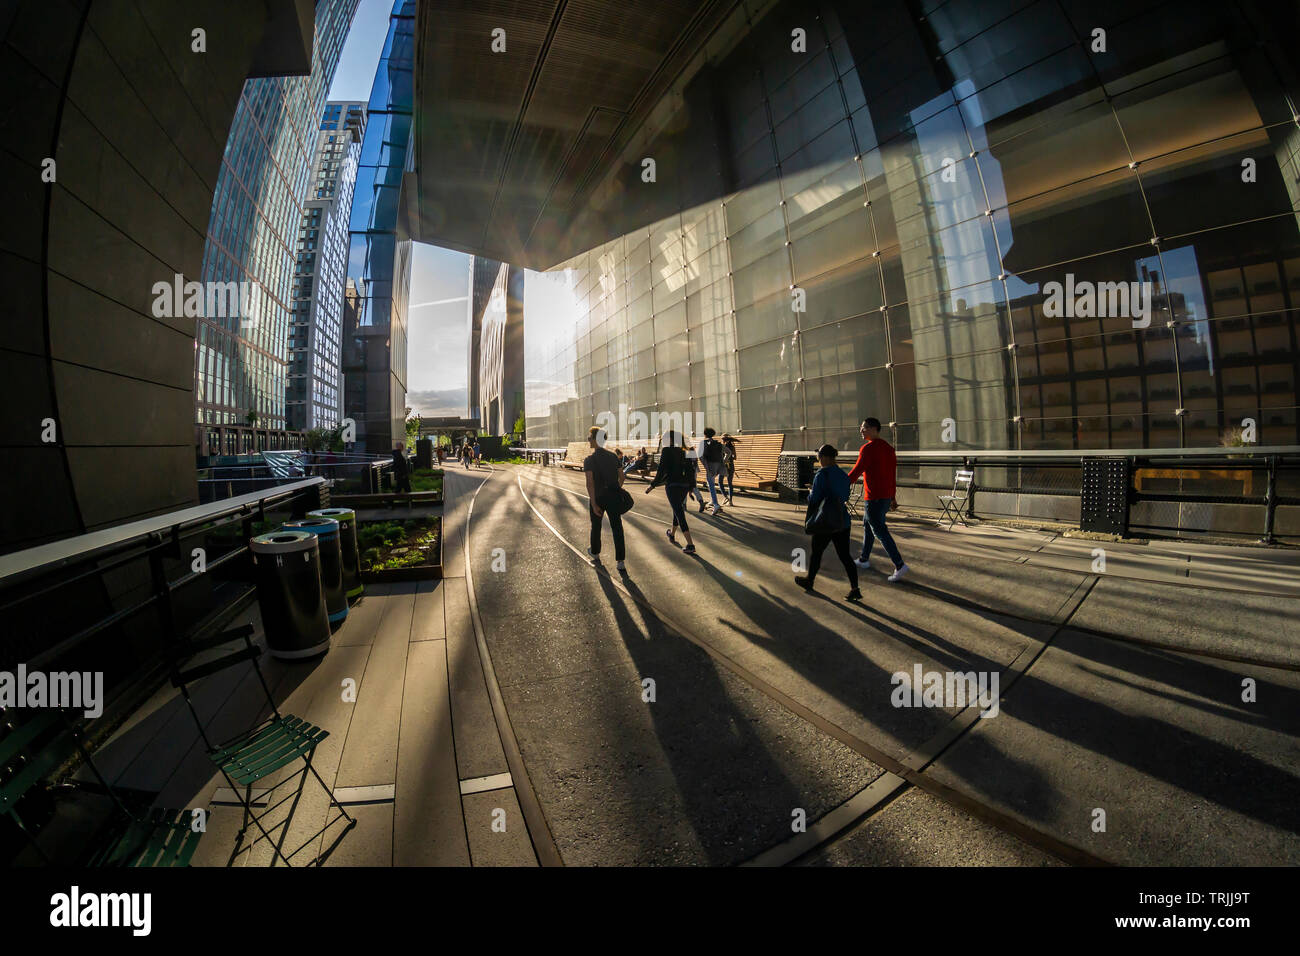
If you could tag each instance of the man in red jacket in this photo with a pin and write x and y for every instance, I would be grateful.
(877, 465)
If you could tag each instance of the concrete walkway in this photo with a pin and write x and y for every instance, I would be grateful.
(1122, 693)
(704, 710)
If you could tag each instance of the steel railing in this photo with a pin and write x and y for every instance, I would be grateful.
(84, 603)
(1196, 480)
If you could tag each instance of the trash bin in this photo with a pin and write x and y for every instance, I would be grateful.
(347, 519)
(289, 593)
(326, 531)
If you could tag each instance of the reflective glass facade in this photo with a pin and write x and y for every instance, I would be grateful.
(315, 389)
(241, 362)
(379, 261)
(895, 203)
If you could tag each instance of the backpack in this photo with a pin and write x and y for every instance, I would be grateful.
(713, 451)
(829, 518)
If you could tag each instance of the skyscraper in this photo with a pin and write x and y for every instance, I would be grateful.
(314, 397)
(380, 259)
(483, 277)
(241, 362)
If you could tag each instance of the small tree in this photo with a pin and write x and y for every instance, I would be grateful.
(412, 431)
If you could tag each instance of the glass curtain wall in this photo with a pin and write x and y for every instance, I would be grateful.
(241, 363)
(379, 263)
(920, 183)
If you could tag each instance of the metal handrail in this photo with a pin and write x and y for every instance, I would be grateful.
(22, 565)
(1069, 454)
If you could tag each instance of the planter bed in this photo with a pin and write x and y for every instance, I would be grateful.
(405, 550)
(386, 499)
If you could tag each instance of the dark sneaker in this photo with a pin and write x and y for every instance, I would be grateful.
(854, 595)
(689, 549)
(671, 537)
(701, 506)
(804, 582)
(593, 555)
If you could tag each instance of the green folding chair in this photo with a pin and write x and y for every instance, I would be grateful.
(255, 754)
(32, 749)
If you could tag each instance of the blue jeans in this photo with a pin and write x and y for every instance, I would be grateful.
(873, 527)
(713, 475)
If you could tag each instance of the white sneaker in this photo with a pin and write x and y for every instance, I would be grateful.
(862, 564)
(898, 573)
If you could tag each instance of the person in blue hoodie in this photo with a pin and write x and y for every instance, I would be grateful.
(832, 483)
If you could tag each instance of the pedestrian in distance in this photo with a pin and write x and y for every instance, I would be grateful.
(877, 465)
(478, 453)
(401, 470)
(729, 461)
(713, 455)
(641, 463)
(828, 521)
(604, 482)
(676, 472)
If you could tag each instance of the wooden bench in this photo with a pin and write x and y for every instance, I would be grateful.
(757, 457)
(576, 454)
(630, 448)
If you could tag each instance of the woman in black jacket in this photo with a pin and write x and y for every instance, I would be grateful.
(677, 473)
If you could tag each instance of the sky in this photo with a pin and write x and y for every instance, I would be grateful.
(437, 319)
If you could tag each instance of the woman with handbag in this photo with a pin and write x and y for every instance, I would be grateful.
(677, 472)
(828, 521)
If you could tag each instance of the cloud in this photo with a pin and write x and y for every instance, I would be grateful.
(443, 403)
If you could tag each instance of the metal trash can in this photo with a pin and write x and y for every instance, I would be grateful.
(326, 531)
(347, 519)
(289, 593)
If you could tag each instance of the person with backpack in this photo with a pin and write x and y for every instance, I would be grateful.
(713, 454)
(828, 521)
(676, 472)
(729, 463)
(604, 494)
(878, 465)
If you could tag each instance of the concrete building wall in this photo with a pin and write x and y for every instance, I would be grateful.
(136, 123)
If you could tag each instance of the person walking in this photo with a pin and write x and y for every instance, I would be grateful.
(401, 470)
(712, 453)
(830, 489)
(676, 472)
(877, 465)
(604, 481)
(693, 457)
(478, 453)
(729, 462)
